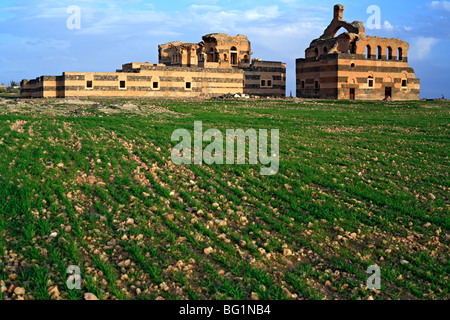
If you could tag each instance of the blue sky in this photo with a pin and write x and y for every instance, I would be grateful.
(35, 40)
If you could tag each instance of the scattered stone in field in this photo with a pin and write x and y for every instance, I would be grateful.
(170, 217)
(129, 221)
(370, 298)
(11, 288)
(19, 291)
(344, 287)
(254, 296)
(124, 237)
(221, 272)
(427, 225)
(431, 196)
(53, 235)
(18, 126)
(68, 229)
(310, 225)
(353, 236)
(60, 165)
(90, 296)
(287, 252)
(4, 289)
(208, 251)
(220, 223)
(200, 212)
(288, 294)
(328, 283)
(244, 198)
(243, 219)
(145, 194)
(242, 243)
(404, 262)
(125, 263)
(164, 286)
(54, 292)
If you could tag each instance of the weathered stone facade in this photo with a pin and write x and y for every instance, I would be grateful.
(218, 65)
(355, 66)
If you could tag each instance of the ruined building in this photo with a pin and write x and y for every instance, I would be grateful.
(355, 66)
(218, 65)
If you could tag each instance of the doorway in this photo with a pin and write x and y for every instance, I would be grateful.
(352, 94)
(388, 92)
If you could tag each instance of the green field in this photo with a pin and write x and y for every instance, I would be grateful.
(91, 184)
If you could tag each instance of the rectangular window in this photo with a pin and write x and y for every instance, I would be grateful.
(269, 83)
(316, 84)
(89, 84)
(263, 83)
(404, 83)
(188, 85)
(122, 84)
(370, 83)
(303, 84)
(155, 85)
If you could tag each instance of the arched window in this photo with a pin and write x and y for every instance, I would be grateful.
(325, 50)
(352, 66)
(400, 54)
(316, 51)
(353, 48)
(234, 58)
(225, 57)
(389, 53)
(246, 59)
(379, 52)
(368, 52)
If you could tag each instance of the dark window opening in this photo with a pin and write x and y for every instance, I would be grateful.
(370, 83)
(325, 50)
(188, 85)
(352, 66)
(379, 53)
(404, 83)
(155, 85)
(389, 53)
(352, 94)
(316, 84)
(303, 84)
(269, 83)
(122, 85)
(234, 57)
(400, 54)
(89, 84)
(263, 83)
(368, 52)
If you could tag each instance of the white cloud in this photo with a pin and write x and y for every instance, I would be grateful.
(388, 26)
(421, 47)
(440, 5)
